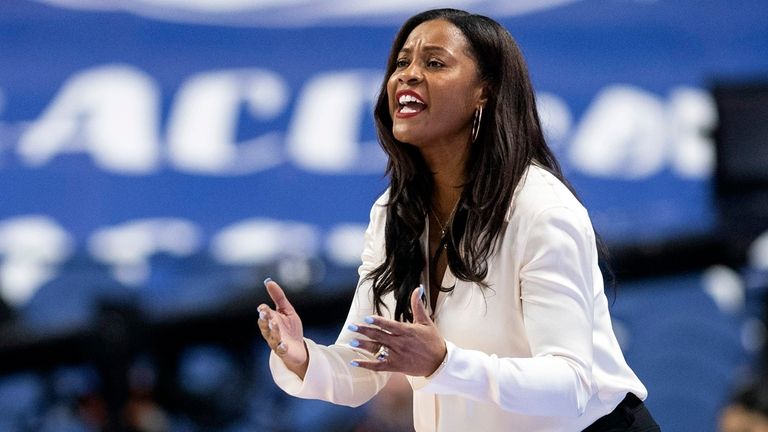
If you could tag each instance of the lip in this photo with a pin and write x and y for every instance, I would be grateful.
(401, 93)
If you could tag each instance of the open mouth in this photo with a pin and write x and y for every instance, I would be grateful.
(409, 103)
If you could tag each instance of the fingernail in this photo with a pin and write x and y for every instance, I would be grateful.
(368, 319)
(267, 280)
(270, 325)
(354, 343)
(421, 290)
(262, 315)
(281, 345)
(354, 363)
(352, 327)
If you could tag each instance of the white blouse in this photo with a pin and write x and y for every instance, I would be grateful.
(533, 352)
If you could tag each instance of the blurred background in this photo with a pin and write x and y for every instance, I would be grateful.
(160, 158)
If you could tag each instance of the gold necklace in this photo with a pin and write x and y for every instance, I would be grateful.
(444, 228)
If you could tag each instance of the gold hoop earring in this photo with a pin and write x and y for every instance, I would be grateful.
(476, 123)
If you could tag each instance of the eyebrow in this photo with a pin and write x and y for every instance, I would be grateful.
(428, 48)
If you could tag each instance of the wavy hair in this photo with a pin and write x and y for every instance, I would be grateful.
(510, 139)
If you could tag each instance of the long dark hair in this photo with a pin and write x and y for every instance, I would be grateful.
(510, 140)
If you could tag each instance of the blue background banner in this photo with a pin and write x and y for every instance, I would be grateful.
(244, 133)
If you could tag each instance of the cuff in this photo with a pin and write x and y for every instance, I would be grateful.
(285, 378)
(422, 383)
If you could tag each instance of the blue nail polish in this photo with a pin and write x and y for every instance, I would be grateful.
(368, 319)
(267, 280)
(354, 343)
(421, 290)
(354, 363)
(352, 327)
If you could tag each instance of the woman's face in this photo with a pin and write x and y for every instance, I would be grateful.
(435, 87)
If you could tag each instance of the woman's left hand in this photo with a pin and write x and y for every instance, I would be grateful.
(415, 349)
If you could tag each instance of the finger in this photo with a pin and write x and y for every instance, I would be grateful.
(263, 321)
(281, 348)
(266, 316)
(278, 296)
(420, 314)
(274, 342)
(264, 327)
(273, 339)
(274, 329)
(263, 311)
(270, 336)
(269, 326)
(370, 346)
(376, 335)
(390, 326)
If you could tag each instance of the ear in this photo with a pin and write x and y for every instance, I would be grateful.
(482, 94)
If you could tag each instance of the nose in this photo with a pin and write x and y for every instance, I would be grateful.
(411, 74)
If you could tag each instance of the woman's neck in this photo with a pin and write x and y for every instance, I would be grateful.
(448, 175)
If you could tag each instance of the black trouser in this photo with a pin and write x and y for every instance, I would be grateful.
(630, 415)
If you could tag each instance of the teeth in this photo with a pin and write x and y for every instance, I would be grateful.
(406, 98)
(407, 110)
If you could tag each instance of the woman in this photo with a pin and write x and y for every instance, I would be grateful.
(509, 326)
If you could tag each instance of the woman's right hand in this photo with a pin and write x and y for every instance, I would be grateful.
(282, 330)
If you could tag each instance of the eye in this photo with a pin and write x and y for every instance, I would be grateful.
(401, 63)
(434, 63)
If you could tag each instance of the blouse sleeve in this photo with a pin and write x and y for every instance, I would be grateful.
(329, 376)
(556, 277)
